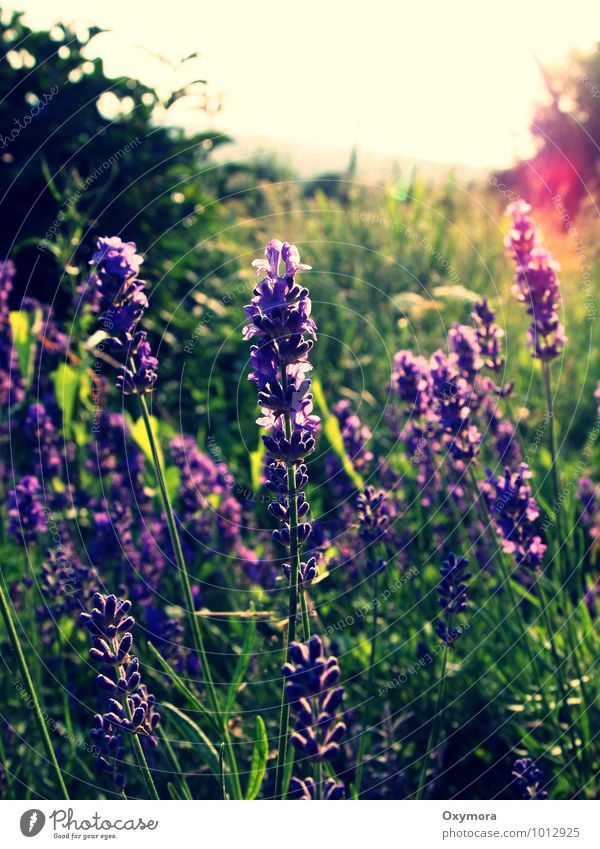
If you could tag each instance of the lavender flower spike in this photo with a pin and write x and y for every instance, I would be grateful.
(131, 708)
(311, 679)
(279, 320)
(452, 591)
(536, 283)
(514, 511)
(25, 510)
(123, 303)
(530, 779)
(12, 390)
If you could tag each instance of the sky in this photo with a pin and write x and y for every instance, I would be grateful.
(449, 81)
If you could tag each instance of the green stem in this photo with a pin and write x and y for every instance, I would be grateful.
(505, 572)
(305, 616)
(516, 606)
(433, 733)
(174, 764)
(552, 447)
(320, 787)
(66, 701)
(364, 737)
(559, 668)
(282, 741)
(141, 757)
(16, 645)
(561, 552)
(187, 591)
(224, 795)
(284, 713)
(174, 536)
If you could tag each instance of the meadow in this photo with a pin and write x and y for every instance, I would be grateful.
(299, 491)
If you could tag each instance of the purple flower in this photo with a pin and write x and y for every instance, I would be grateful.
(522, 236)
(355, 435)
(504, 434)
(116, 259)
(536, 283)
(42, 435)
(454, 397)
(452, 591)
(373, 514)
(530, 779)
(123, 303)
(307, 571)
(306, 789)
(141, 377)
(279, 319)
(465, 350)
(589, 498)
(279, 315)
(311, 690)
(204, 482)
(514, 511)
(12, 389)
(489, 335)
(7, 274)
(411, 380)
(25, 510)
(131, 707)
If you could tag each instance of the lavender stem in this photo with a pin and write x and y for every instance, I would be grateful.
(187, 590)
(16, 645)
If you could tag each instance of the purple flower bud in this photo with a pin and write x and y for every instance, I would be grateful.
(529, 779)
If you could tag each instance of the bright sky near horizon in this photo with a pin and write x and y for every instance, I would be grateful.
(451, 82)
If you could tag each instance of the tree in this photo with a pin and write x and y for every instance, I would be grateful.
(567, 134)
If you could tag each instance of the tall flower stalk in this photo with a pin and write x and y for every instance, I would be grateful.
(537, 285)
(311, 679)
(452, 591)
(122, 303)
(279, 319)
(131, 708)
(373, 523)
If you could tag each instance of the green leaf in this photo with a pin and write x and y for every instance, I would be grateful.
(256, 464)
(260, 753)
(193, 734)
(138, 431)
(51, 185)
(24, 327)
(331, 429)
(288, 770)
(173, 481)
(173, 792)
(192, 700)
(241, 668)
(66, 381)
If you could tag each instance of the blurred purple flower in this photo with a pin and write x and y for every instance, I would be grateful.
(25, 510)
(514, 511)
(536, 283)
(12, 389)
(530, 779)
